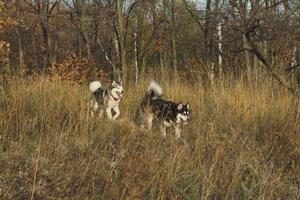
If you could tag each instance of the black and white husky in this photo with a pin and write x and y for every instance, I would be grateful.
(167, 113)
(106, 99)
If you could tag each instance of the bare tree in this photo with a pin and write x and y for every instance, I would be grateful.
(19, 6)
(173, 27)
(44, 9)
(121, 35)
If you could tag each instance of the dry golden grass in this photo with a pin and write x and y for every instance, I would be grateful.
(243, 143)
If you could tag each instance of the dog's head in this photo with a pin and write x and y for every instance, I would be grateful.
(183, 113)
(117, 89)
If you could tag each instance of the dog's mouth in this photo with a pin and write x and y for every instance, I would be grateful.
(185, 121)
(120, 94)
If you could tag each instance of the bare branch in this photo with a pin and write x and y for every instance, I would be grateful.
(105, 55)
(53, 6)
(257, 52)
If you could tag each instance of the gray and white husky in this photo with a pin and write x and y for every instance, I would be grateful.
(167, 113)
(106, 99)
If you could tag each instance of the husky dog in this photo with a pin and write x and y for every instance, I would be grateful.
(167, 113)
(106, 98)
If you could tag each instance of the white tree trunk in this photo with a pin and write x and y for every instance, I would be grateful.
(220, 59)
(136, 57)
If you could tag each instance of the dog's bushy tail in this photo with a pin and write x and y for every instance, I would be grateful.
(154, 91)
(94, 86)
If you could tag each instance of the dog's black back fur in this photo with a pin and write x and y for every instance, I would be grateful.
(163, 109)
(167, 110)
(99, 93)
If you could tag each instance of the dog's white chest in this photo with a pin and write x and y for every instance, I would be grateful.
(112, 103)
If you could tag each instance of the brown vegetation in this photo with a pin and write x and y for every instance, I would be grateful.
(243, 143)
(236, 62)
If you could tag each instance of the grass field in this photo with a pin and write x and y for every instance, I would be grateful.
(243, 143)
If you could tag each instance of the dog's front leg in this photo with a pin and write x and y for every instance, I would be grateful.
(163, 130)
(108, 112)
(149, 121)
(177, 131)
(117, 114)
(94, 107)
(100, 113)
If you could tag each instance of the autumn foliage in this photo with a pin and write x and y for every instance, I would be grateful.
(5, 21)
(235, 62)
(77, 70)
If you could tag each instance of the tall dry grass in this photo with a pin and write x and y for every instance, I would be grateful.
(243, 143)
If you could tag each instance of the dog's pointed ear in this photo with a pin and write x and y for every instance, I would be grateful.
(180, 106)
(188, 105)
(113, 83)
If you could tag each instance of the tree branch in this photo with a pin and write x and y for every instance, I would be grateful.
(256, 51)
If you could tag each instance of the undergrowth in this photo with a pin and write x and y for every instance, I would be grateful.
(243, 143)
